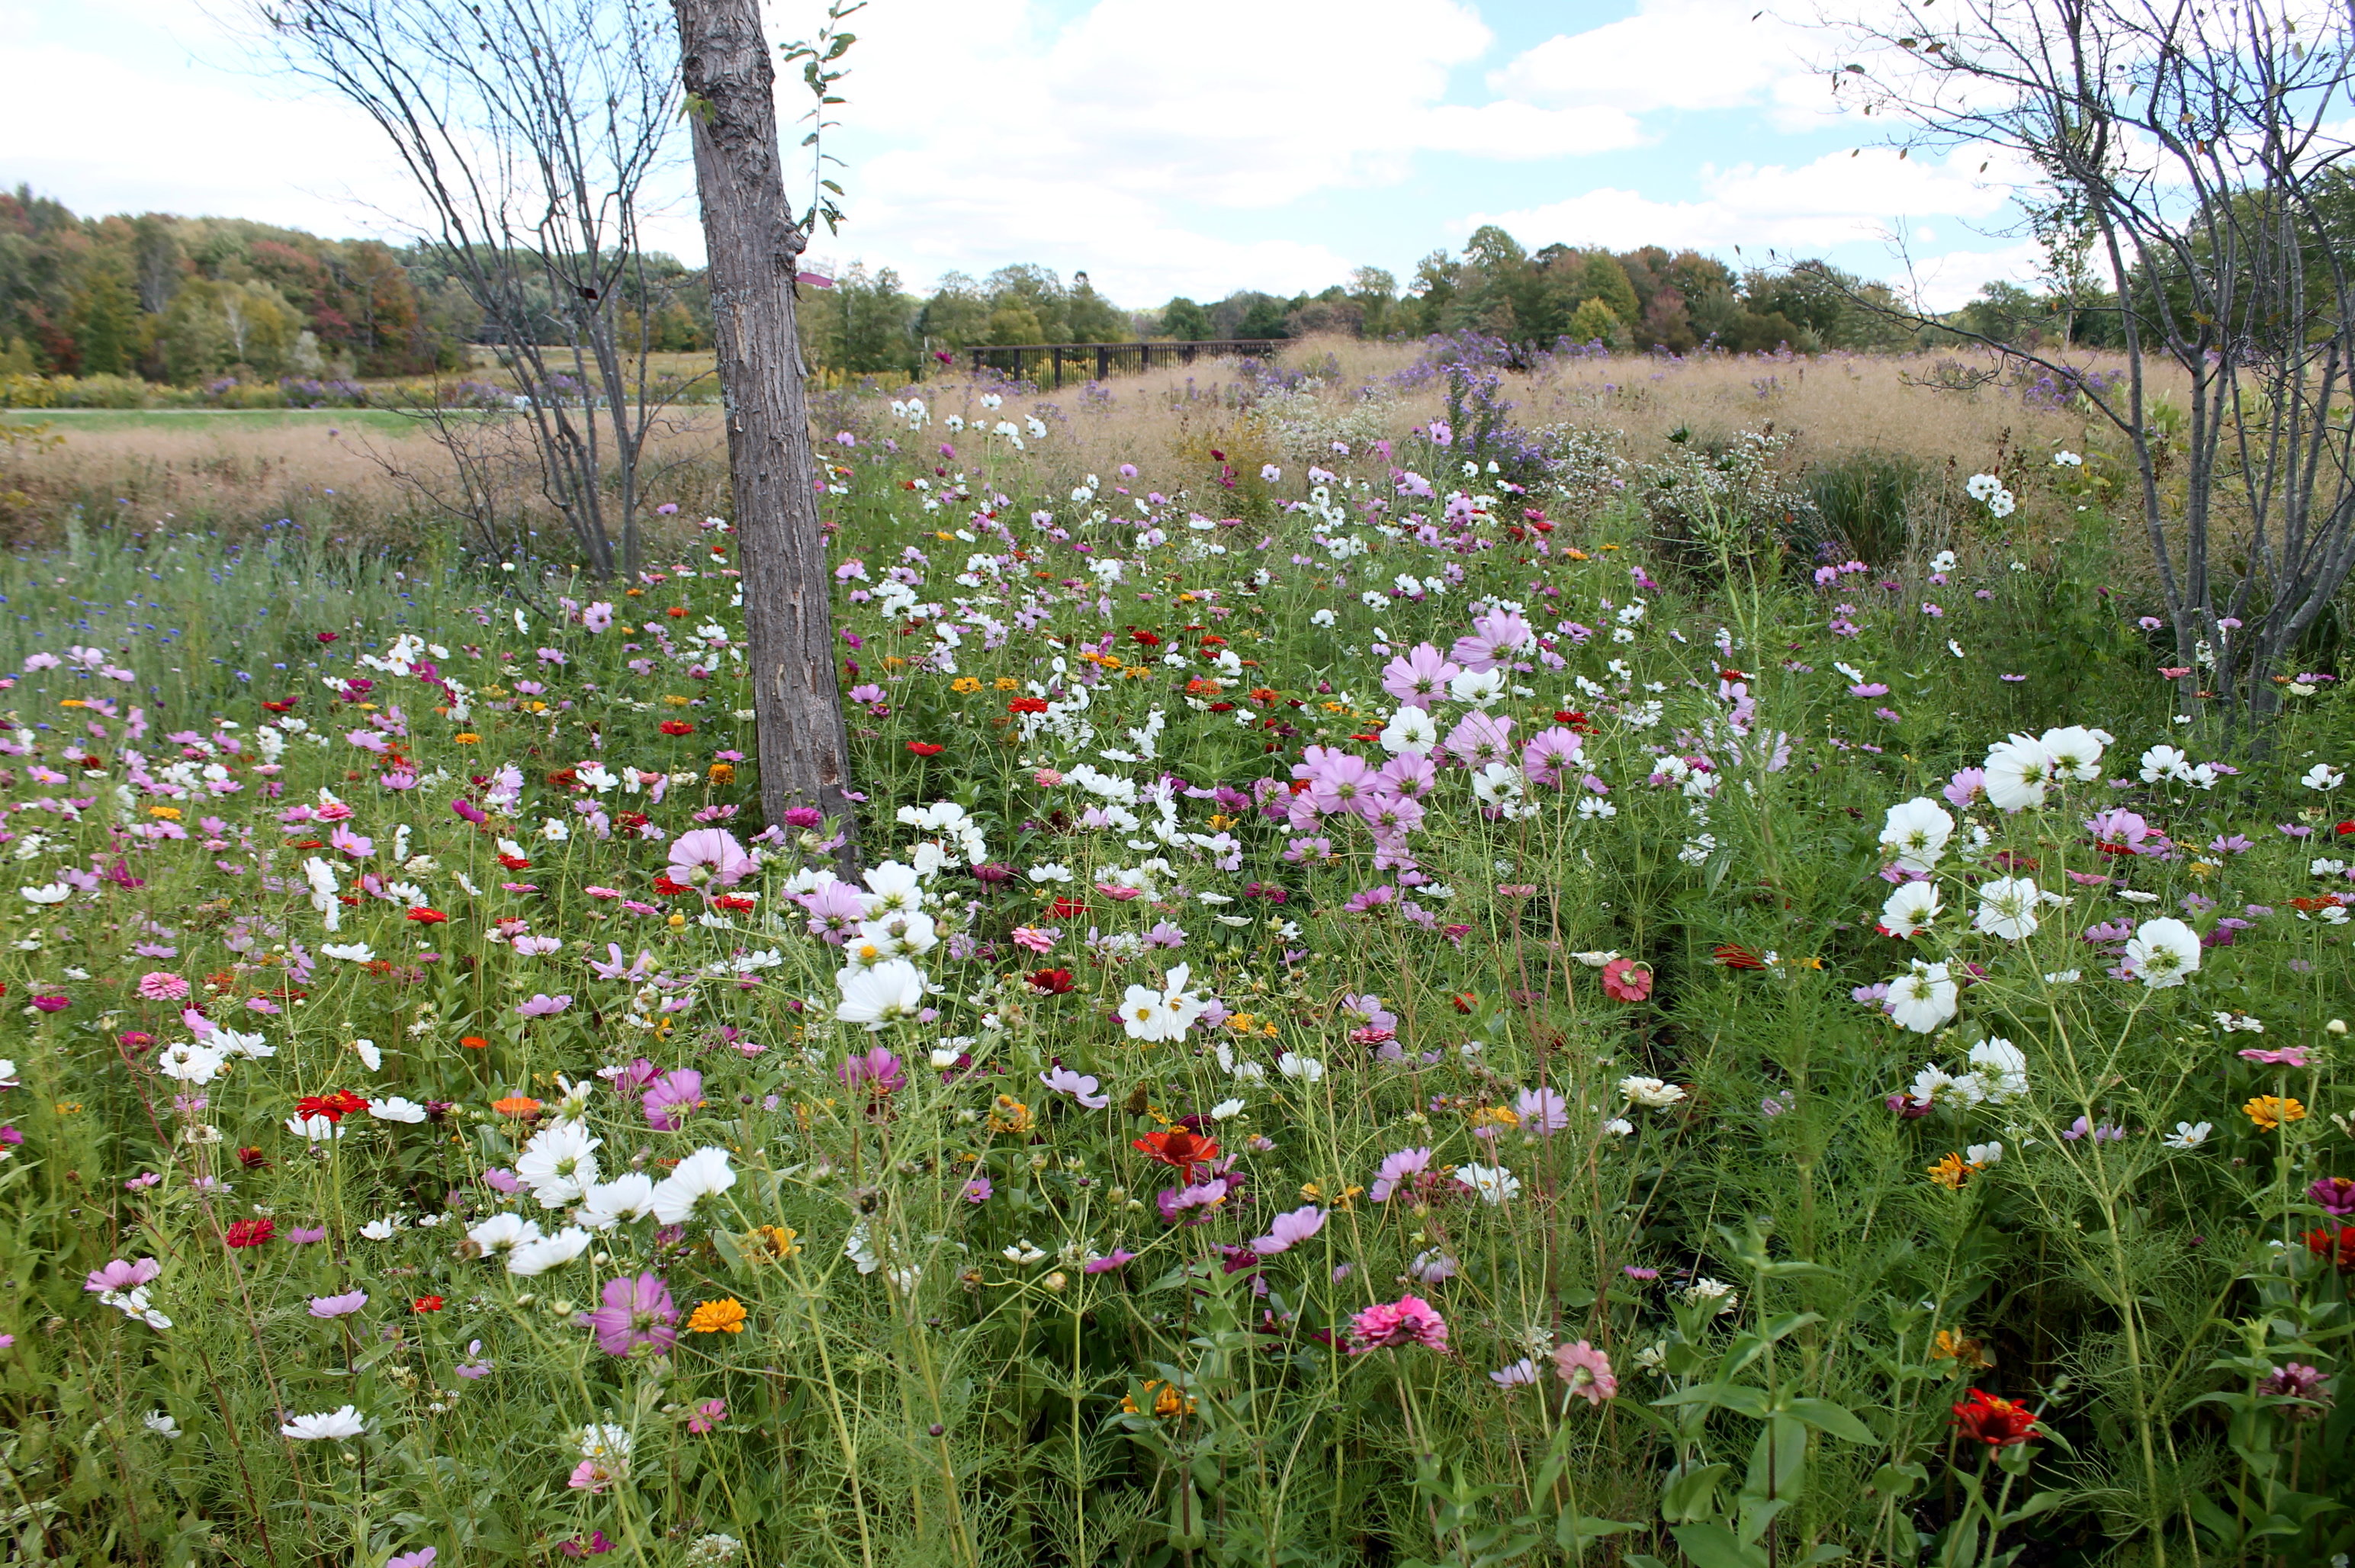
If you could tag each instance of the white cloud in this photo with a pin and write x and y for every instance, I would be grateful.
(1672, 54)
(1837, 200)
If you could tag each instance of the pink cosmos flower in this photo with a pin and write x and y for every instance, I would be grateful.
(715, 852)
(162, 986)
(1587, 1371)
(1396, 1169)
(876, 1066)
(120, 1275)
(1419, 676)
(2286, 1056)
(670, 1097)
(540, 1006)
(1541, 1111)
(636, 1312)
(342, 1306)
(1079, 1086)
(1549, 752)
(1479, 738)
(1288, 1231)
(708, 1414)
(1394, 1324)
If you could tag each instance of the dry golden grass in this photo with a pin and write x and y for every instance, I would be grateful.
(230, 472)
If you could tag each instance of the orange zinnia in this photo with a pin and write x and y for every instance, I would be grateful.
(1179, 1147)
(473, 1042)
(516, 1105)
(725, 1316)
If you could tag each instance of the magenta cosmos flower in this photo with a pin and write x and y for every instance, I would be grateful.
(671, 1096)
(636, 1312)
(1394, 1324)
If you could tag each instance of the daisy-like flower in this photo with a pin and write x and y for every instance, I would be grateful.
(724, 1316)
(1587, 1371)
(500, 1236)
(701, 1175)
(629, 1196)
(1494, 1183)
(559, 1164)
(1910, 909)
(879, 995)
(1924, 997)
(1157, 1016)
(535, 1258)
(2162, 953)
(2016, 773)
(635, 1312)
(337, 1425)
(1917, 830)
(2008, 908)
(1656, 1093)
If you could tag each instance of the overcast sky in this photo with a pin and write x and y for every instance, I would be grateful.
(1165, 146)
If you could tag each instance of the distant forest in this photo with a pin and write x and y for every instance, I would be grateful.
(188, 300)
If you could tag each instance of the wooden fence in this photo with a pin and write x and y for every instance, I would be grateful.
(1040, 362)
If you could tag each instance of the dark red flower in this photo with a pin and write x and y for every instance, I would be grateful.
(1065, 906)
(1052, 982)
(250, 1233)
(677, 727)
(328, 636)
(427, 1303)
(253, 1159)
(424, 916)
(733, 905)
(924, 748)
(1026, 705)
(1733, 957)
(1998, 1423)
(286, 706)
(516, 863)
(1146, 639)
(670, 889)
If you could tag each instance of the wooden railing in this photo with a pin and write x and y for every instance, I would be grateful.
(1037, 362)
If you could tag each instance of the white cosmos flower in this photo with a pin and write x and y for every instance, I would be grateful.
(318, 1129)
(397, 1109)
(559, 1164)
(1918, 830)
(2076, 751)
(1410, 729)
(1910, 909)
(2008, 908)
(875, 996)
(703, 1174)
(2002, 1068)
(2322, 775)
(48, 893)
(1984, 1154)
(346, 1422)
(629, 1196)
(1303, 1069)
(1924, 997)
(2017, 771)
(501, 1234)
(351, 951)
(535, 1258)
(2165, 764)
(1167, 1014)
(2189, 1135)
(190, 1062)
(2162, 952)
(892, 886)
(1494, 1183)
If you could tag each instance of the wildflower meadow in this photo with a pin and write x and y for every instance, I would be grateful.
(1404, 990)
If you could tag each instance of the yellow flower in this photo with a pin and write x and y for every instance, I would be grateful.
(1499, 1116)
(965, 685)
(1007, 683)
(1968, 1355)
(770, 1244)
(676, 700)
(465, 738)
(1009, 1114)
(722, 773)
(1952, 1172)
(72, 702)
(168, 813)
(2270, 1111)
(1166, 1400)
(725, 1316)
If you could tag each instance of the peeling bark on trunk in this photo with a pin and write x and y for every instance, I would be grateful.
(754, 250)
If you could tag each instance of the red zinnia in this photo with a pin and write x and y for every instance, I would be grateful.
(1026, 705)
(1065, 906)
(669, 889)
(1052, 982)
(2338, 1246)
(427, 1303)
(1735, 957)
(424, 916)
(1179, 1147)
(473, 1042)
(251, 1232)
(733, 905)
(677, 727)
(253, 1159)
(1147, 639)
(1998, 1423)
(286, 706)
(924, 748)
(516, 863)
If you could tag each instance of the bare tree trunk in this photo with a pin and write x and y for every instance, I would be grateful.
(754, 248)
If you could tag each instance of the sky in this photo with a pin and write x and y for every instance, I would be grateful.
(1163, 147)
